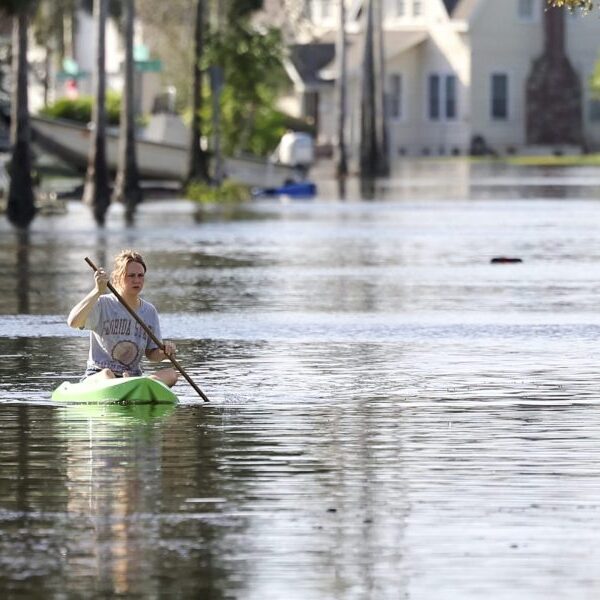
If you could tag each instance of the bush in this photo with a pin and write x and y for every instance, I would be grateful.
(80, 110)
(227, 192)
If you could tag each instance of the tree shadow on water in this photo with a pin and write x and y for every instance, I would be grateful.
(23, 274)
(367, 188)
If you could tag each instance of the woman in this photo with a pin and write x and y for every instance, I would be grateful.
(117, 342)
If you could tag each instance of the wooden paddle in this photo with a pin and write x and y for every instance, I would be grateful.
(150, 334)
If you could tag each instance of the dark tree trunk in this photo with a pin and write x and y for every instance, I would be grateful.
(368, 120)
(20, 207)
(96, 192)
(47, 66)
(127, 186)
(198, 164)
(383, 162)
(342, 82)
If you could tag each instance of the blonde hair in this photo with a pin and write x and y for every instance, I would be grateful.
(121, 261)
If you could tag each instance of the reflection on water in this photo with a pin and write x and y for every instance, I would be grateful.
(393, 416)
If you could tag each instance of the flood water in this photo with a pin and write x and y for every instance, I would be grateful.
(392, 416)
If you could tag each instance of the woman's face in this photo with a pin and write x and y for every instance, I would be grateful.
(133, 281)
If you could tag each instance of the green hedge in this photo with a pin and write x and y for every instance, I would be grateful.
(80, 110)
(227, 192)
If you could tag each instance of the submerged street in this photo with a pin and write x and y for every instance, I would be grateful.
(392, 415)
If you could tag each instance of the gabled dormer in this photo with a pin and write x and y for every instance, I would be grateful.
(324, 13)
(405, 10)
(416, 12)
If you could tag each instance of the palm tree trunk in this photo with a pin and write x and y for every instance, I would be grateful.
(216, 78)
(127, 186)
(96, 192)
(383, 162)
(342, 81)
(368, 124)
(216, 85)
(20, 207)
(197, 167)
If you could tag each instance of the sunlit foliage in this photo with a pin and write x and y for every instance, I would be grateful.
(585, 5)
(80, 109)
(253, 73)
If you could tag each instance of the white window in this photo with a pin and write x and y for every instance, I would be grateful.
(442, 97)
(395, 96)
(433, 94)
(326, 9)
(398, 8)
(527, 10)
(322, 10)
(450, 97)
(417, 8)
(499, 97)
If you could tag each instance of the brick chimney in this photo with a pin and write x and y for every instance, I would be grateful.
(554, 104)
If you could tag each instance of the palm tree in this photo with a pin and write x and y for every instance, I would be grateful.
(20, 207)
(96, 192)
(373, 143)
(342, 160)
(127, 186)
(368, 124)
(383, 162)
(197, 165)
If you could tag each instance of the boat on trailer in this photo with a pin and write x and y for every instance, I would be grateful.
(125, 390)
(158, 160)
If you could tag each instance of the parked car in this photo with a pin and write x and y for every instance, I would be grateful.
(296, 149)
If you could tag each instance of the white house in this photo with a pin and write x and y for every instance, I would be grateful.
(456, 71)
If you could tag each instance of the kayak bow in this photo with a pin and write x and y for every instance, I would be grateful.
(126, 390)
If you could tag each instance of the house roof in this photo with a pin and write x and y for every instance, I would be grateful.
(393, 45)
(356, 6)
(307, 61)
(450, 5)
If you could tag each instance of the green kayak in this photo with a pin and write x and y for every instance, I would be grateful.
(126, 390)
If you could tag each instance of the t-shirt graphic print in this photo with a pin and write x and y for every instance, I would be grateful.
(117, 341)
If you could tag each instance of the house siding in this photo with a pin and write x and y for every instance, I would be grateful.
(583, 39)
(502, 43)
(404, 133)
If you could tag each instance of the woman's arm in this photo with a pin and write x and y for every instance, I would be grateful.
(156, 355)
(81, 311)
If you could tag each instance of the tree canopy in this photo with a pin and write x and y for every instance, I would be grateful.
(250, 61)
(252, 65)
(573, 4)
(13, 7)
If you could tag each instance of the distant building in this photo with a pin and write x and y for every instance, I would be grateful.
(459, 75)
(73, 77)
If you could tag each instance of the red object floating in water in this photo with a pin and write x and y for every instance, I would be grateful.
(505, 259)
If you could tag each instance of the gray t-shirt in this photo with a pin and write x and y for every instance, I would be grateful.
(117, 341)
